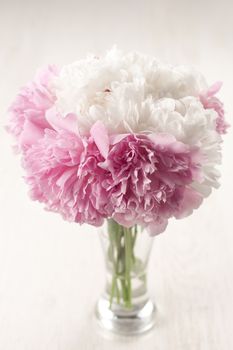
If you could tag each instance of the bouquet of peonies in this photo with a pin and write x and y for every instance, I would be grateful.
(120, 137)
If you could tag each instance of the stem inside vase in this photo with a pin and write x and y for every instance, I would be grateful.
(124, 264)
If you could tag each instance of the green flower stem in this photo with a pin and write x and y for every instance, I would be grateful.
(128, 259)
(121, 256)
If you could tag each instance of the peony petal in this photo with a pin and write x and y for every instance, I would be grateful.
(191, 200)
(31, 134)
(68, 123)
(100, 136)
(210, 101)
(117, 138)
(162, 139)
(214, 88)
(157, 227)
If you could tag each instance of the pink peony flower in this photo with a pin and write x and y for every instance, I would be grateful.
(62, 172)
(51, 166)
(150, 178)
(27, 113)
(210, 101)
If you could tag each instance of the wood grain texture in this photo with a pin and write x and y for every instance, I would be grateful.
(51, 272)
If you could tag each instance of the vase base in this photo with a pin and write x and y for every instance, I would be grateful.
(129, 322)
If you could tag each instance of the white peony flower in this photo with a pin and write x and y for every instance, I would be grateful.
(136, 93)
(116, 81)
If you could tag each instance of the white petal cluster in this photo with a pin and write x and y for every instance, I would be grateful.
(136, 93)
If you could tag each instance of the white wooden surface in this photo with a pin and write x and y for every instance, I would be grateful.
(51, 272)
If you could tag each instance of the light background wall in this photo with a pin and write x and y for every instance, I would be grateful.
(52, 272)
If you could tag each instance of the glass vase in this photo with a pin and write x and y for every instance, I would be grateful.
(125, 307)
